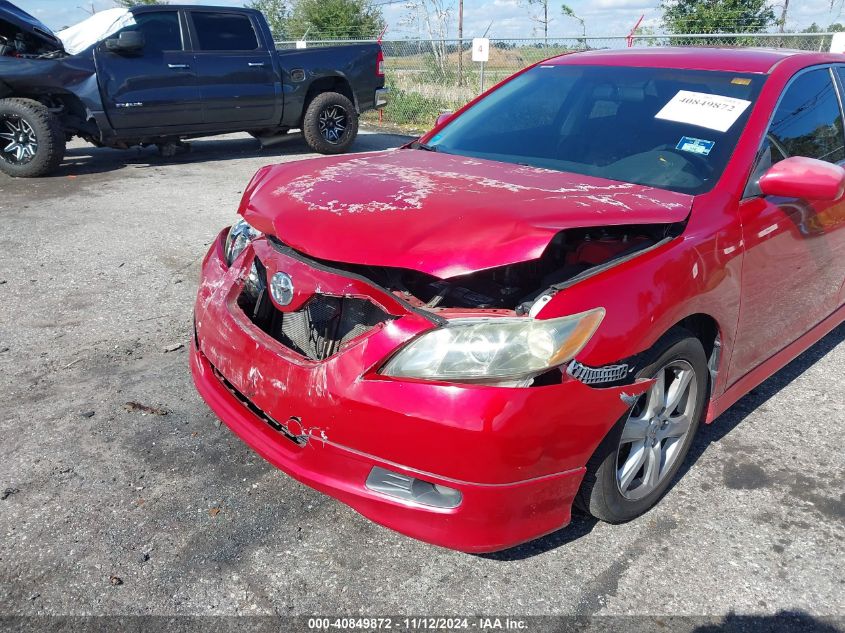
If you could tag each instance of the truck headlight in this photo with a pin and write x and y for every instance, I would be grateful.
(239, 236)
(494, 350)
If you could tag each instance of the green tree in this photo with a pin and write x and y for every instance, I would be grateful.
(134, 3)
(717, 16)
(569, 13)
(542, 18)
(276, 12)
(338, 19)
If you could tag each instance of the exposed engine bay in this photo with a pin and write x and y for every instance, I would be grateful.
(22, 45)
(570, 254)
(16, 43)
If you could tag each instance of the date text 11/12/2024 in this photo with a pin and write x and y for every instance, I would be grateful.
(418, 624)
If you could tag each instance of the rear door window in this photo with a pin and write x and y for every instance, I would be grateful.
(224, 31)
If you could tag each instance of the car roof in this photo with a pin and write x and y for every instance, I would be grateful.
(741, 60)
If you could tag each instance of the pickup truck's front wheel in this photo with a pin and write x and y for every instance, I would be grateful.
(32, 142)
(330, 124)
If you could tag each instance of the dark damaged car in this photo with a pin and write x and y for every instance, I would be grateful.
(156, 75)
(536, 304)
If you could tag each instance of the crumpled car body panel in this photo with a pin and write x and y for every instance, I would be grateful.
(514, 454)
(73, 75)
(440, 214)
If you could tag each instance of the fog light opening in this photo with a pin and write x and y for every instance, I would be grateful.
(408, 488)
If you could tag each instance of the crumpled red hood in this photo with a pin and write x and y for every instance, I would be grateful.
(437, 213)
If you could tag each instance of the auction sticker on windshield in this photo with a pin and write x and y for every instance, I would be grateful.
(706, 110)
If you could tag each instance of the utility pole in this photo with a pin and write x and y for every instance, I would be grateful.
(460, 42)
(783, 15)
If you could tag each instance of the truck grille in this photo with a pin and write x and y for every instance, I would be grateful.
(319, 328)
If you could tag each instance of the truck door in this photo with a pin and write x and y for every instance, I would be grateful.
(237, 80)
(155, 87)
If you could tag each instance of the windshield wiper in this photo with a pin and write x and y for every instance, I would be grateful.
(427, 147)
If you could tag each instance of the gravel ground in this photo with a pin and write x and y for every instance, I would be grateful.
(108, 508)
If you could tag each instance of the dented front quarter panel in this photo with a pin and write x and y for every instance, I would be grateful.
(468, 433)
(698, 272)
(436, 213)
(74, 75)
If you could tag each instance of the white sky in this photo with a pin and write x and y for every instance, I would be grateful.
(510, 17)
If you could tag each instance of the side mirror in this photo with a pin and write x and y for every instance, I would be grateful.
(126, 42)
(800, 177)
(442, 118)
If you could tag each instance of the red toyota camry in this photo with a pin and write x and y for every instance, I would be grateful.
(537, 303)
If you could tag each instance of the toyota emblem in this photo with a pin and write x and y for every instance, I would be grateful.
(281, 288)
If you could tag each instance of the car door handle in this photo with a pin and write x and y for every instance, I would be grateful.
(178, 66)
(256, 64)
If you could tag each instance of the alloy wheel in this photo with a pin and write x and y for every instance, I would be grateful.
(333, 121)
(654, 434)
(20, 141)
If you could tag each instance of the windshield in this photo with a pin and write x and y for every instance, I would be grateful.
(666, 128)
(96, 28)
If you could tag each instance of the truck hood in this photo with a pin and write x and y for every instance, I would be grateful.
(436, 213)
(26, 23)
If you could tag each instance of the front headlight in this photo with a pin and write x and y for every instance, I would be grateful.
(494, 350)
(239, 236)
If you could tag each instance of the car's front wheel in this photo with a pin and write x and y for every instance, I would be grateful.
(330, 124)
(32, 142)
(635, 464)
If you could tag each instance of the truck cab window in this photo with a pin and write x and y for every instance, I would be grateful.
(224, 32)
(161, 31)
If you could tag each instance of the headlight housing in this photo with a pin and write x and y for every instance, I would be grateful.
(239, 236)
(494, 350)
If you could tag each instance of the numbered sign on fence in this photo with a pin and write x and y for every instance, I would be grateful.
(837, 43)
(480, 49)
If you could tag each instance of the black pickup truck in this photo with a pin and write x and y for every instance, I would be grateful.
(156, 75)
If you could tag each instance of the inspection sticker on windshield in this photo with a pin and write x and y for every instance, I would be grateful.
(695, 145)
(698, 108)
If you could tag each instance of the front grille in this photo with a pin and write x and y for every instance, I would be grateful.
(325, 323)
(319, 328)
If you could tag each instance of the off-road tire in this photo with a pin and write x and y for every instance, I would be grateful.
(49, 135)
(311, 123)
(599, 494)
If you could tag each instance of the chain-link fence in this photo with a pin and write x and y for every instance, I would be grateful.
(427, 77)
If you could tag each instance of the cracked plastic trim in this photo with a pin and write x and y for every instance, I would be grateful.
(294, 254)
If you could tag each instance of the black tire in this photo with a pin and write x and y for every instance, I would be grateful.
(322, 120)
(45, 148)
(600, 494)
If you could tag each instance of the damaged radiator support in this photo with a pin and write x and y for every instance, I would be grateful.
(571, 256)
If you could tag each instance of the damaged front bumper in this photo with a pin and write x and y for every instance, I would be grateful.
(469, 467)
